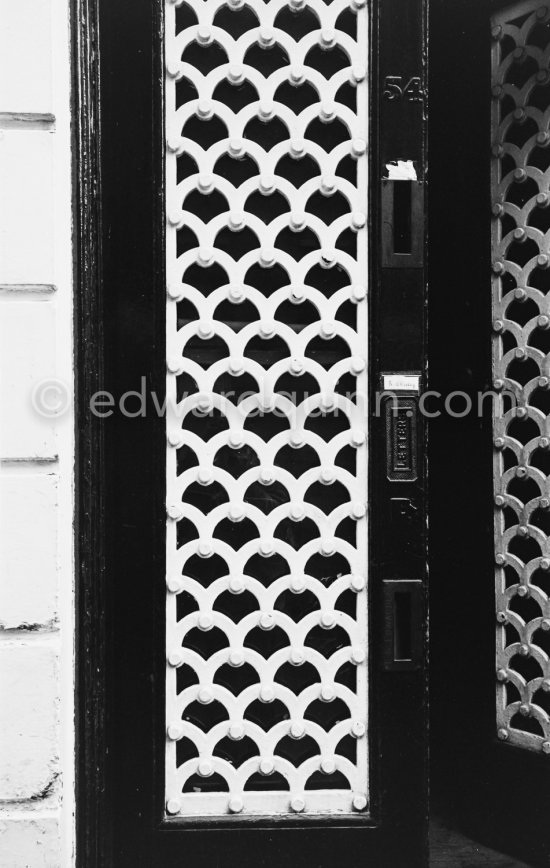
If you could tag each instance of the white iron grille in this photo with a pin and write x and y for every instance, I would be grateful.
(521, 365)
(266, 188)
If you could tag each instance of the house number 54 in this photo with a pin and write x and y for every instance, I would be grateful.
(397, 89)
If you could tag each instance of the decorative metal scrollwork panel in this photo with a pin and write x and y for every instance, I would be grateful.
(521, 364)
(266, 188)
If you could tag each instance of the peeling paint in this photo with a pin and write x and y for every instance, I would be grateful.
(401, 170)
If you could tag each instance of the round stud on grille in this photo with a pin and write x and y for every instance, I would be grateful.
(298, 805)
(358, 74)
(266, 549)
(297, 584)
(327, 693)
(358, 439)
(503, 734)
(543, 76)
(267, 767)
(546, 685)
(326, 476)
(296, 5)
(205, 769)
(175, 218)
(236, 147)
(520, 354)
(297, 294)
(327, 37)
(545, 564)
(266, 476)
(297, 148)
(205, 696)
(498, 209)
(205, 550)
(175, 658)
(545, 624)
(296, 439)
(545, 747)
(267, 621)
(358, 656)
(235, 73)
(543, 139)
(358, 147)
(521, 412)
(520, 175)
(175, 512)
(173, 806)
(296, 657)
(267, 257)
(357, 365)
(172, 68)
(543, 261)
(358, 583)
(498, 267)
(236, 731)
(175, 439)
(544, 503)
(205, 621)
(297, 729)
(358, 729)
(174, 364)
(235, 805)
(499, 500)
(235, 440)
(327, 548)
(174, 585)
(236, 584)
(266, 37)
(498, 325)
(175, 291)
(236, 221)
(500, 559)
(520, 294)
(497, 151)
(236, 658)
(327, 620)
(524, 650)
(296, 367)
(175, 731)
(523, 591)
(265, 110)
(525, 709)
(358, 510)
(236, 512)
(205, 109)
(328, 766)
(520, 234)
(205, 256)
(523, 531)
(521, 471)
(236, 294)
(297, 222)
(236, 366)
(328, 259)
(520, 115)
(328, 185)
(496, 32)
(359, 802)
(499, 442)
(267, 694)
(502, 675)
(501, 617)
(205, 476)
(328, 329)
(498, 91)
(358, 220)
(296, 512)
(297, 74)
(358, 293)
(519, 53)
(327, 403)
(358, 4)
(543, 321)
(204, 404)
(204, 34)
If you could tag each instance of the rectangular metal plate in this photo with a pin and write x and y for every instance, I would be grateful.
(401, 440)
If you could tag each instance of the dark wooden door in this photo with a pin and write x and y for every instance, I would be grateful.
(127, 815)
(490, 774)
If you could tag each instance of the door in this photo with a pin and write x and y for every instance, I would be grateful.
(252, 474)
(490, 103)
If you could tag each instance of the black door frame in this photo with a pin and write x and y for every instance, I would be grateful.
(119, 325)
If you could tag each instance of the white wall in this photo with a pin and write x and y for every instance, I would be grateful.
(36, 451)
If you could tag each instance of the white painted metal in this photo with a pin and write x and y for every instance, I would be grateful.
(521, 365)
(191, 788)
